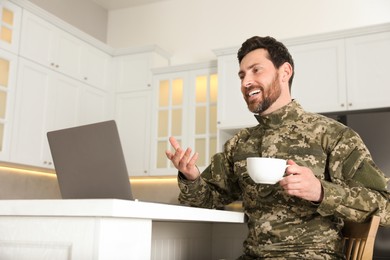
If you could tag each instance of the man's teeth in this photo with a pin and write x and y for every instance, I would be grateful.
(254, 92)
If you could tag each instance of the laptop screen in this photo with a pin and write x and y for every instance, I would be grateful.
(89, 162)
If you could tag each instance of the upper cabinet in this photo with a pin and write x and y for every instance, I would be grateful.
(184, 105)
(347, 74)
(10, 16)
(319, 82)
(46, 44)
(49, 101)
(8, 66)
(133, 71)
(339, 73)
(232, 108)
(367, 68)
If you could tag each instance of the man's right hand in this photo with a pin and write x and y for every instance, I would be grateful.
(183, 161)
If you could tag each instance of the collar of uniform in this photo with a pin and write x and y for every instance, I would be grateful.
(289, 112)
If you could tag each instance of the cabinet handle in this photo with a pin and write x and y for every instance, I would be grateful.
(85, 78)
(342, 105)
(57, 66)
(350, 104)
(52, 64)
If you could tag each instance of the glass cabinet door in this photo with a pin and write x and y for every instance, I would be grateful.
(9, 26)
(205, 137)
(170, 117)
(7, 89)
(185, 108)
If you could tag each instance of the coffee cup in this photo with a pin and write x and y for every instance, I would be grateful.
(266, 170)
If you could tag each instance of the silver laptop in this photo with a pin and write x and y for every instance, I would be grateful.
(89, 162)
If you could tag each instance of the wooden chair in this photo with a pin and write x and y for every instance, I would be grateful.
(359, 239)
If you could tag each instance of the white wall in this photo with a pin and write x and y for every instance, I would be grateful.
(191, 29)
(83, 14)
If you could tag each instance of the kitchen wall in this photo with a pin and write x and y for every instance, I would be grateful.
(83, 14)
(191, 29)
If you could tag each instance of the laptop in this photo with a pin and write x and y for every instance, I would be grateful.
(89, 162)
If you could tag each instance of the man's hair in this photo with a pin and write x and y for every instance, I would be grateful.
(277, 52)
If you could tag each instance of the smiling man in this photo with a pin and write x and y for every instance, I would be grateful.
(331, 177)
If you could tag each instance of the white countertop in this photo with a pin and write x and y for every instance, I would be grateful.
(116, 208)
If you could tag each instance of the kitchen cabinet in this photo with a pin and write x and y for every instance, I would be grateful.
(319, 83)
(132, 78)
(94, 105)
(10, 19)
(133, 117)
(332, 74)
(343, 75)
(133, 71)
(232, 109)
(368, 71)
(184, 105)
(50, 101)
(8, 66)
(58, 50)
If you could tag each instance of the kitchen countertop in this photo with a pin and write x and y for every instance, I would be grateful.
(116, 208)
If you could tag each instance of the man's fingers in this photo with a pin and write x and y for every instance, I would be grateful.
(175, 144)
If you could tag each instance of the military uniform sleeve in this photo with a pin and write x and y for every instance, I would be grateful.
(357, 189)
(216, 186)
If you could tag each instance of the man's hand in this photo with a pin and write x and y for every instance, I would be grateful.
(183, 161)
(301, 182)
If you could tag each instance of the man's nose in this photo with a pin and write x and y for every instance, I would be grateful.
(246, 82)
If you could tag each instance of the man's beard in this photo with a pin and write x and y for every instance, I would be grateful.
(269, 97)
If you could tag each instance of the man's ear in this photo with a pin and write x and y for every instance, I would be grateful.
(286, 71)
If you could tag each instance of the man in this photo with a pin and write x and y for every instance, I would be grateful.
(331, 176)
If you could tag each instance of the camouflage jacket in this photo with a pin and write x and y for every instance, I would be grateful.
(283, 226)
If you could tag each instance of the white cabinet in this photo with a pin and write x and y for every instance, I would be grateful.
(368, 71)
(8, 66)
(133, 115)
(184, 105)
(232, 108)
(10, 16)
(47, 101)
(132, 79)
(95, 105)
(133, 71)
(46, 44)
(319, 83)
(343, 75)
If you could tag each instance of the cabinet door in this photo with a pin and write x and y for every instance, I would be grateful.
(94, 105)
(132, 72)
(46, 101)
(39, 40)
(8, 66)
(232, 109)
(368, 71)
(30, 115)
(133, 118)
(319, 80)
(95, 66)
(46, 44)
(10, 15)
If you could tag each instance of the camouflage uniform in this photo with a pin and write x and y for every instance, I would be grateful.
(283, 226)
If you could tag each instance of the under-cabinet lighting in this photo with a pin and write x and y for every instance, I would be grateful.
(27, 171)
(53, 175)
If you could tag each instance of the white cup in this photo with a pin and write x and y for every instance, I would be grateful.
(266, 170)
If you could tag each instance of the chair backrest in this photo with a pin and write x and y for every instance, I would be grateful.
(359, 239)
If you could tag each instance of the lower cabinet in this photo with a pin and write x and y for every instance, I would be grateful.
(47, 101)
(133, 119)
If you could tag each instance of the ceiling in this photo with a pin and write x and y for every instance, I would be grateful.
(119, 4)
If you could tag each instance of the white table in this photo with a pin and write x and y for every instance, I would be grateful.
(107, 229)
